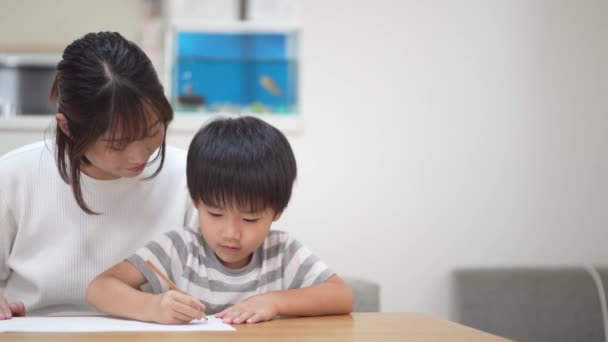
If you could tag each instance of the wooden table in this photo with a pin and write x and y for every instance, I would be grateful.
(377, 327)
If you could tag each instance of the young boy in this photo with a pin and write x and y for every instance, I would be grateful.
(240, 175)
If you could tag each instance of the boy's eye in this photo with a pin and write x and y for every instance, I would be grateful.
(251, 220)
(215, 214)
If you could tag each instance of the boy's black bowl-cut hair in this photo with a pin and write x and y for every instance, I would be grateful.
(242, 163)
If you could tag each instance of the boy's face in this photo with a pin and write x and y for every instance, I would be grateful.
(234, 234)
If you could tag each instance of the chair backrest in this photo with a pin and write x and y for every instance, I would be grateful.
(530, 304)
(367, 294)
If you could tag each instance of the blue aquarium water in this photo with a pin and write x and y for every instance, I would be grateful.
(247, 72)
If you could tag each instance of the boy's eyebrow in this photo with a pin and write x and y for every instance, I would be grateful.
(250, 211)
(243, 211)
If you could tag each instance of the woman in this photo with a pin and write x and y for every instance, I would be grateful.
(108, 184)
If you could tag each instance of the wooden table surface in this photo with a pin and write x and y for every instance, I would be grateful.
(377, 327)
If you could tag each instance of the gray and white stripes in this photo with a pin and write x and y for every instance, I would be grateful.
(280, 263)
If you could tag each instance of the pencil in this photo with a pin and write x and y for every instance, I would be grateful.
(162, 276)
(171, 284)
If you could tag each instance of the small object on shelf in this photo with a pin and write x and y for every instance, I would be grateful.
(257, 107)
(189, 98)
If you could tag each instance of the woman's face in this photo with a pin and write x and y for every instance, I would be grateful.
(110, 161)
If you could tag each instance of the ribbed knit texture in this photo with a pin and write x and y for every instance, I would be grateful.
(50, 249)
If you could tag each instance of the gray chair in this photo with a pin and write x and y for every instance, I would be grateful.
(367, 294)
(531, 304)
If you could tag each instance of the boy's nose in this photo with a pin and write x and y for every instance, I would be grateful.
(232, 232)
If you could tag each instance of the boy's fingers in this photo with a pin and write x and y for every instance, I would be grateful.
(230, 316)
(189, 301)
(194, 303)
(181, 318)
(227, 311)
(188, 311)
(242, 317)
(184, 298)
(255, 318)
(198, 304)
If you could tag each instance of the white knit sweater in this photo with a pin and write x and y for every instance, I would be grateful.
(50, 249)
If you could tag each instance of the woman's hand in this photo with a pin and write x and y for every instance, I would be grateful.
(10, 310)
(254, 309)
(174, 307)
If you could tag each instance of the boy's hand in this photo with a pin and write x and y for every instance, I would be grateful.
(8, 311)
(174, 307)
(254, 309)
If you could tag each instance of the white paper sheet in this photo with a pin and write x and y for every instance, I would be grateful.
(102, 324)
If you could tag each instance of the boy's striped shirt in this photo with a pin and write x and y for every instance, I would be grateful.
(280, 263)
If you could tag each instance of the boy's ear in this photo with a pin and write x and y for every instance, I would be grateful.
(277, 216)
(62, 123)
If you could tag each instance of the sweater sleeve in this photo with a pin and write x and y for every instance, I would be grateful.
(8, 229)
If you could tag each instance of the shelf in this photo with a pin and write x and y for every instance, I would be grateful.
(33, 123)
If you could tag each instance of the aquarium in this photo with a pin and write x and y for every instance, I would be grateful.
(243, 70)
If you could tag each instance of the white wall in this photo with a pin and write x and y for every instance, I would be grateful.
(444, 134)
(54, 24)
(441, 134)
